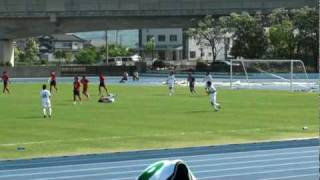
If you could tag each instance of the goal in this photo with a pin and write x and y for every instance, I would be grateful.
(269, 74)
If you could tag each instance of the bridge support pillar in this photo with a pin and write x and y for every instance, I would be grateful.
(7, 52)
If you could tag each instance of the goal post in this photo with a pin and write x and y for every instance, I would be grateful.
(267, 68)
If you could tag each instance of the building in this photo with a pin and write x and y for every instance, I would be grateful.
(203, 51)
(70, 43)
(167, 42)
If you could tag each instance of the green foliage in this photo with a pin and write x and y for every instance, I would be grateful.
(113, 50)
(31, 51)
(69, 57)
(158, 64)
(306, 20)
(150, 47)
(281, 36)
(87, 56)
(60, 54)
(250, 39)
(209, 32)
(201, 66)
(29, 54)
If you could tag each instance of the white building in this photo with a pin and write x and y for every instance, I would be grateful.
(203, 51)
(168, 43)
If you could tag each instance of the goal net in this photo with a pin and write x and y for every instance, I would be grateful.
(269, 74)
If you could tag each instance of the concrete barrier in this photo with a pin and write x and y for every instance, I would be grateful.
(67, 71)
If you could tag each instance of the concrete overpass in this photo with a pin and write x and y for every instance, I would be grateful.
(25, 18)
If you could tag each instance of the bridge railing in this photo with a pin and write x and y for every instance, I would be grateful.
(29, 7)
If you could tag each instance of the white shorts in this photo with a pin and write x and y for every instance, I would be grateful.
(213, 97)
(46, 104)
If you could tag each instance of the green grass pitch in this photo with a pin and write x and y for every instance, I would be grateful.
(145, 117)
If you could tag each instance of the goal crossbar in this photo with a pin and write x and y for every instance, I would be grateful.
(291, 61)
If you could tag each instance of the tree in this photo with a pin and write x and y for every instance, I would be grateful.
(69, 57)
(249, 35)
(209, 32)
(281, 35)
(306, 20)
(150, 47)
(31, 51)
(114, 51)
(60, 55)
(87, 56)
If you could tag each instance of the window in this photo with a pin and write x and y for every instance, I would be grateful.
(150, 37)
(67, 44)
(161, 38)
(192, 54)
(173, 38)
(209, 54)
(162, 55)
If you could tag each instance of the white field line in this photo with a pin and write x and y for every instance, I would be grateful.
(290, 177)
(196, 159)
(129, 172)
(261, 172)
(153, 135)
(144, 165)
(127, 137)
(241, 155)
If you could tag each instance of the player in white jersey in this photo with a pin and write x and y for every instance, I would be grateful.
(167, 170)
(212, 91)
(45, 96)
(170, 82)
(206, 79)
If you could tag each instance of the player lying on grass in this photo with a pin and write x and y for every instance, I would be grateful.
(45, 96)
(102, 84)
(107, 99)
(167, 170)
(76, 90)
(192, 81)
(85, 83)
(53, 81)
(170, 82)
(5, 80)
(212, 91)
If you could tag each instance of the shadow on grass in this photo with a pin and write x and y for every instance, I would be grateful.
(198, 112)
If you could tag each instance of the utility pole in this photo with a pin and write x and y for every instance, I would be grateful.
(107, 47)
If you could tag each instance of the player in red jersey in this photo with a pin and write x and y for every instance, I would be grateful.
(76, 90)
(5, 79)
(102, 84)
(53, 81)
(84, 81)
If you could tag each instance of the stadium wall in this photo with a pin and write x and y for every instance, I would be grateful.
(67, 71)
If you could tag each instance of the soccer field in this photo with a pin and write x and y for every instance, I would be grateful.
(145, 117)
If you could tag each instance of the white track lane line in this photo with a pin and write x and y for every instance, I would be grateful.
(162, 154)
(211, 164)
(178, 157)
(219, 170)
(290, 177)
(261, 172)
